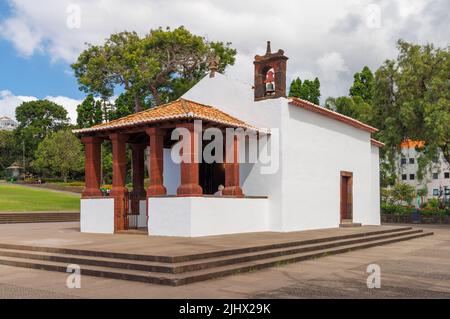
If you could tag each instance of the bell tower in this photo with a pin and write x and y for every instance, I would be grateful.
(270, 75)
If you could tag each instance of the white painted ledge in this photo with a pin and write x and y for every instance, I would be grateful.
(206, 216)
(97, 215)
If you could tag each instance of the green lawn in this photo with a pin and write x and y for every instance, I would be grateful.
(16, 198)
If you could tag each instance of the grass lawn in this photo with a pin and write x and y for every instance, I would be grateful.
(16, 198)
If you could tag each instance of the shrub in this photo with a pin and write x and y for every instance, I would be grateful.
(433, 203)
(391, 209)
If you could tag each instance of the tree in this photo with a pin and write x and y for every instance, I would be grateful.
(354, 107)
(412, 100)
(36, 120)
(403, 193)
(90, 112)
(158, 68)
(363, 85)
(308, 90)
(59, 154)
(9, 150)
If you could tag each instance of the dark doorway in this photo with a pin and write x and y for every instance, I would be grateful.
(211, 176)
(346, 196)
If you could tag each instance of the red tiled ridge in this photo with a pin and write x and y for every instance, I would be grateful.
(179, 109)
(331, 114)
(408, 143)
(377, 143)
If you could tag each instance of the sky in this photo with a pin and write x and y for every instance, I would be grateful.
(330, 39)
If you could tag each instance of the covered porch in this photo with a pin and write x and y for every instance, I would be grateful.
(179, 199)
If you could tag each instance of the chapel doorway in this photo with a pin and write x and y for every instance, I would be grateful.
(211, 176)
(346, 196)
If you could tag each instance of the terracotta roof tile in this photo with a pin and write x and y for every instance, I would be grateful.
(179, 109)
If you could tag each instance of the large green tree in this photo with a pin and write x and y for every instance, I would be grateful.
(306, 90)
(36, 120)
(412, 100)
(9, 150)
(59, 154)
(158, 67)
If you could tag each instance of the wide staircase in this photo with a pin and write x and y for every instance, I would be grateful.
(44, 217)
(185, 269)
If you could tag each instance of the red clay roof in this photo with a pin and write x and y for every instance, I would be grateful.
(179, 109)
(412, 144)
(331, 114)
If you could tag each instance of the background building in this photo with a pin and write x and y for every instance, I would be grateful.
(436, 180)
(7, 124)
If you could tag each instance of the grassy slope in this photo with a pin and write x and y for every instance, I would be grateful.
(15, 198)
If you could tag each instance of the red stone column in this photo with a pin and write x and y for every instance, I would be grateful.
(119, 190)
(92, 166)
(232, 187)
(138, 167)
(156, 162)
(190, 170)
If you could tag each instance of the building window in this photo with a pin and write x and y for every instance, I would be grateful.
(435, 176)
(404, 177)
(435, 192)
(447, 191)
(403, 161)
(412, 177)
(411, 161)
(447, 175)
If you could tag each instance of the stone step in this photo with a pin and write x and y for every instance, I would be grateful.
(199, 275)
(195, 264)
(196, 256)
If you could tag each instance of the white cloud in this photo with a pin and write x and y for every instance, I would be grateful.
(9, 102)
(308, 31)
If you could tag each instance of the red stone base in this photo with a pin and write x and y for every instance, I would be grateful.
(156, 190)
(94, 192)
(233, 191)
(188, 190)
(120, 196)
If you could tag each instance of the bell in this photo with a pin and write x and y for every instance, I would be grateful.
(270, 88)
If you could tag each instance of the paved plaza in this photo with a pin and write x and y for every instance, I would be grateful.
(418, 268)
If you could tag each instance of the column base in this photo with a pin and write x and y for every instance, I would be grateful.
(156, 190)
(233, 191)
(188, 190)
(92, 193)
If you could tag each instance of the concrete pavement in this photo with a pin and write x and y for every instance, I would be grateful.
(417, 268)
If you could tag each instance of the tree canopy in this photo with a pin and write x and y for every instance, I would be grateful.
(59, 154)
(412, 100)
(157, 68)
(37, 119)
(363, 85)
(307, 90)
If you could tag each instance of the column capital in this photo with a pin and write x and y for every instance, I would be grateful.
(91, 140)
(155, 131)
(119, 137)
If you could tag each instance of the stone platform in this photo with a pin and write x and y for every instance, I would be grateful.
(177, 261)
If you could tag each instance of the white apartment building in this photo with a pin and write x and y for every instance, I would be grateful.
(436, 180)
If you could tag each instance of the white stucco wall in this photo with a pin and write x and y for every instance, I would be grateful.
(172, 173)
(97, 215)
(374, 218)
(316, 149)
(205, 216)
